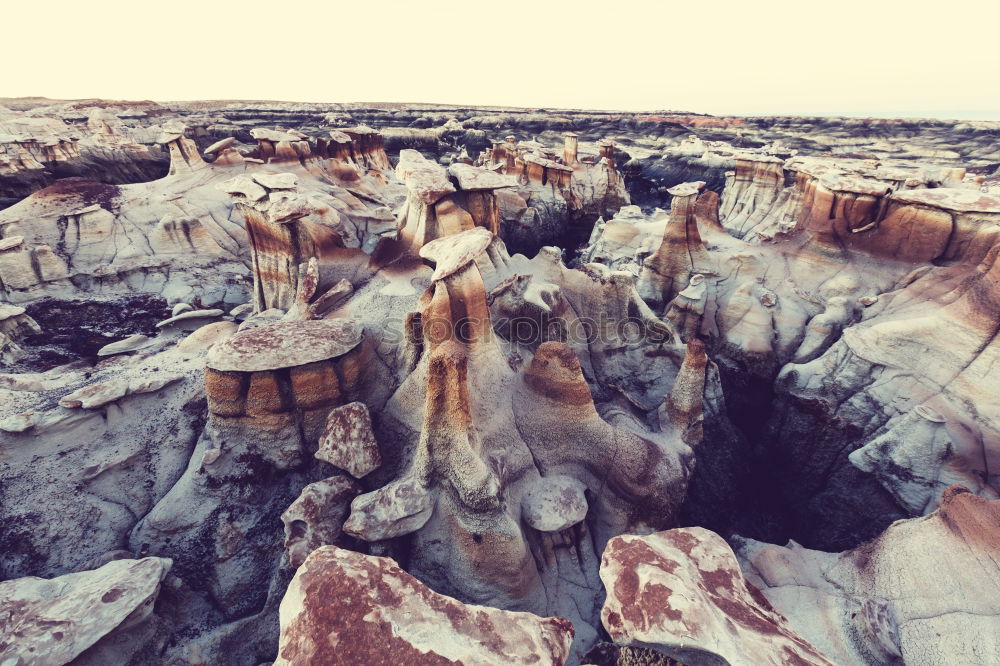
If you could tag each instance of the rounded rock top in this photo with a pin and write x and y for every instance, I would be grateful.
(686, 189)
(285, 344)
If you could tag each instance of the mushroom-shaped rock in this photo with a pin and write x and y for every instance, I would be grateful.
(348, 442)
(172, 130)
(554, 503)
(685, 405)
(393, 510)
(453, 253)
(314, 519)
(184, 156)
(682, 592)
(285, 344)
(424, 179)
(344, 607)
(681, 252)
(54, 621)
(283, 375)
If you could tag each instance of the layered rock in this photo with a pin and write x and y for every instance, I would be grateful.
(681, 253)
(269, 381)
(444, 202)
(269, 389)
(28, 144)
(90, 237)
(557, 198)
(843, 301)
(38, 148)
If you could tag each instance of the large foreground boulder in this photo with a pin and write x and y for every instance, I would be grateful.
(343, 607)
(682, 592)
(51, 622)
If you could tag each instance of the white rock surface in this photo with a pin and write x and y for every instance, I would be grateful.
(53, 621)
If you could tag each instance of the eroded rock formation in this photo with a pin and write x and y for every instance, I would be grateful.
(557, 197)
(306, 369)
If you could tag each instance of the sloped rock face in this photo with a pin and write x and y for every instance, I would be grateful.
(682, 591)
(384, 615)
(924, 591)
(55, 621)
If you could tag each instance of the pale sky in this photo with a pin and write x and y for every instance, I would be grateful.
(872, 57)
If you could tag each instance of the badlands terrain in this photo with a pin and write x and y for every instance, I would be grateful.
(312, 384)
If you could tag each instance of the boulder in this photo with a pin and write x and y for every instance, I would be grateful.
(346, 608)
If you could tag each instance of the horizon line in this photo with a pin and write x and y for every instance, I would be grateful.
(985, 115)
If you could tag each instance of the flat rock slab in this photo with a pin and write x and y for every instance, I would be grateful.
(476, 178)
(686, 189)
(345, 608)
(221, 145)
(951, 198)
(277, 181)
(285, 344)
(129, 344)
(399, 508)
(96, 395)
(53, 621)
(424, 179)
(11, 242)
(191, 314)
(453, 253)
